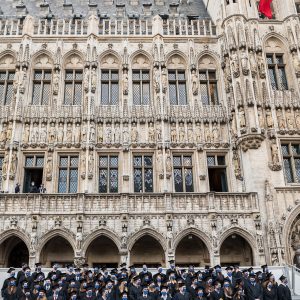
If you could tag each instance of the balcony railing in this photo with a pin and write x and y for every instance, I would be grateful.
(128, 203)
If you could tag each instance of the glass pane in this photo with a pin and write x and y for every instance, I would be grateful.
(74, 161)
(29, 161)
(212, 75)
(39, 161)
(282, 79)
(38, 75)
(69, 75)
(182, 94)
(47, 75)
(269, 59)
(46, 93)
(114, 161)
(178, 181)
(204, 93)
(114, 93)
(148, 181)
(272, 77)
(11, 75)
(202, 76)
(297, 167)
(285, 149)
(279, 59)
(172, 75)
(2, 93)
(3, 75)
(36, 93)
(136, 75)
(1, 162)
(78, 75)
(68, 93)
(296, 149)
(104, 93)
(137, 161)
(113, 181)
(189, 180)
(137, 177)
(136, 93)
(221, 160)
(103, 161)
(62, 181)
(78, 93)
(73, 181)
(187, 161)
(288, 170)
(9, 93)
(146, 75)
(115, 75)
(148, 161)
(177, 161)
(146, 94)
(173, 94)
(63, 162)
(211, 161)
(103, 181)
(181, 76)
(105, 75)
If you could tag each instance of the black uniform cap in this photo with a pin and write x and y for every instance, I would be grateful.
(282, 277)
(171, 261)
(38, 264)
(10, 270)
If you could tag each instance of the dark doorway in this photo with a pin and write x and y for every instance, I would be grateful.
(217, 180)
(18, 255)
(32, 175)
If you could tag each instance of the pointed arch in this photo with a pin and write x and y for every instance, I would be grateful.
(110, 58)
(208, 60)
(74, 59)
(98, 233)
(15, 233)
(150, 232)
(192, 231)
(8, 59)
(275, 37)
(42, 55)
(141, 53)
(176, 59)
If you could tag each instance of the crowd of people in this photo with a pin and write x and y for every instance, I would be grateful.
(33, 189)
(129, 284)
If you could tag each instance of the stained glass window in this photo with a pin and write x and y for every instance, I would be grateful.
(6, 87)
(276, 70)
(73, 87)
(108, 174)
(143, 173)
(68, 174)
(183, 173)
(291, 162)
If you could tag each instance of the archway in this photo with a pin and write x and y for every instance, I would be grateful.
(294, 241)
(191, 250)
(103, 251)
(147, 250)
(57, 250)
(13, 252)
(235, 250)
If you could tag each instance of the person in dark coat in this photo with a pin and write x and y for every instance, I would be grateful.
(145, 294)
(253, 289)
(200, 294)
(269, 291)
(164, 294)
(283, 291)
(135, 290)
(182, 294)
(12, 292)
(193, 288)
(217, 293)
(12, 273)
(17, 188)
(172, 268)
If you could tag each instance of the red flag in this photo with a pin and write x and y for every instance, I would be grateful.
(265, 8)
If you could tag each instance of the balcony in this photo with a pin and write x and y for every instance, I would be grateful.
(48, 204)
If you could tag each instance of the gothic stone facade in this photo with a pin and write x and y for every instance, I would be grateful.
(156, 136)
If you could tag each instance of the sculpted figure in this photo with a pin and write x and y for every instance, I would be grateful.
(35, 133)
(92, 132)
(242, 118)
(190, 134)
(244, 62)
(275, 153)
(125, 82)
(173, 134)
(60, 134)
(52, 134)
(261, 119)
(108, 135)
(91, 163)
(253, 64)
(151, 134)
(164, 80)
(9, 132)
(94, 80)
(235, 64)
(100, 133)
(86, 80)
(269, 118)
(56, 78)
(261, 65)
(181, 133)
(160, 164)
(215, 133)
(194, 82)
(43, 134)
(5, 165)
(134, 134)
(117, 134)
(125, 134)
(49, 166)
(14, 163)
(69, 133)
(156, 80)
(168, 164)
(198, 134)
(84, 133)
(280, 119)
(77, 135)
(208, 136)
(290, 119)
(158, 134)
(3, 134)
(26, 133)
(296, 62)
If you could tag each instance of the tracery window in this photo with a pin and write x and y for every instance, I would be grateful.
(291, 161)
(6, 87)
(141, 87)
(68, 174)
(41, 87)
(108, 174)
(276, 69)
(143, 173)
(109, 87)
(183, 173)
(208, 87)
(177, 87)
(73, 87)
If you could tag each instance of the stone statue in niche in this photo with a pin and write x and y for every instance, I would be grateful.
(100, 133)
(233, 125)
(242, 117)
(79, 238)
(290, 119)
(125, 82)
(77, 135)
(198, 134)
(92, 133)
(83, 165)
(35, 133)
(261, 119)
(297, 118)
(194, 83)
(26, 134)
(93, 80)
(84, 133)
(151, 134)
(108, 134)
(13, 165)
(235, 64)
(253, 64)
(275, 153)
(190, 134)
(216, 133)
(269, 119)
(43, 134)
(56, 78)
(125, 134)
(280, 119)
(244, 62)
(296, 63)
(5, 166)
(86, 80)
(60, 133)
(69, 133)
(173, 133)
(158, 134)
(181, 133)
(49, 166)
(168, 164)
(3, 134)
(134, 134)
(207, 132)
(237, 165)
(164, 80)
(160, 164)
(9, 132)
(156, 80)
(261, 65)
(52, 134)
(91, 164)
(117, 134)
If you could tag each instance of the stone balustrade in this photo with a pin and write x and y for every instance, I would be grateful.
(128, 203)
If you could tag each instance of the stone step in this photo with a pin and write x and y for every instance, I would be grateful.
(296, 297)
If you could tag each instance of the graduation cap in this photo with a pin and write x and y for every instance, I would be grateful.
(27, 268)
(122, 279)
(132, 267)
(264, 266)
(123, 265)
(82, 280)
(227, 280)
(73, 293)
(85, 265)
(206, 267)
(282, 277)
(38, 264)
(171, 261)
(136, 277)
(181, 284)
(10, 270)
(200, 288)
(55, 286)
(89, 287)
(12, 279)
(77, 270)
(217, 267)
(238, 281)
(70, 266)
(216, 282)
(24, 265)
(114, 271)
(229, 268)
(123, 270)
(252, 275)
(236, 266)
(42, 290)
(250, 270)
(103, 268)
(245, 270)
(258, 273)
(124, 293)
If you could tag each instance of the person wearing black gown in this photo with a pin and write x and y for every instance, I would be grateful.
(283, 291)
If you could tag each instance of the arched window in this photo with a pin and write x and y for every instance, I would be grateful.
(110, 86)
(7, 74)
(141, 80)
(73, 80)
(177, 80)
(41, 83)
(208, 81)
